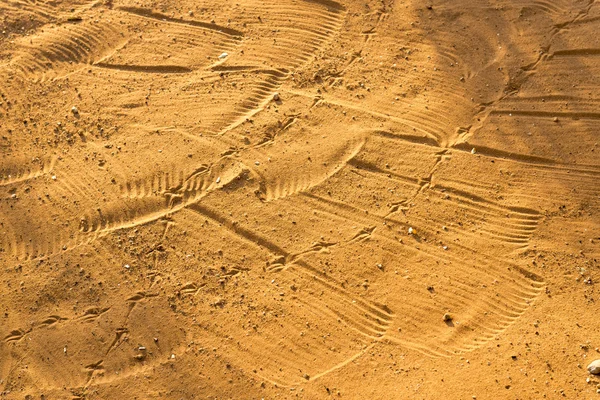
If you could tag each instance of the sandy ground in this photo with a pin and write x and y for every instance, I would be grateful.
(312, 199)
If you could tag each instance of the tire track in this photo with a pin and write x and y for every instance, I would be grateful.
(21, 170)
(368, 318)
(514, 301)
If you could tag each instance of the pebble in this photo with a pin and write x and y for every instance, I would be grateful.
(594, 367)
(276, 96)
(74, 110)
(473, 151)
(223, 55)
(447, 317)
(410, 230)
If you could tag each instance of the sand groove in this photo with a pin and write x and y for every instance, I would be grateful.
(162, 17)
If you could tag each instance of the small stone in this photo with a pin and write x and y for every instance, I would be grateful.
(447, 317)
(276, 96)
(411, 230)
(555, 119)
(74, 110)
(223, 56)
(594, 367)
(126, 266)
(473, 151)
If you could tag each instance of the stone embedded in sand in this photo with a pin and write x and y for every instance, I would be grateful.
(447, 317)
(74, 110)
(276, 96)
(594, 367)
(223, 56)
(411, 230)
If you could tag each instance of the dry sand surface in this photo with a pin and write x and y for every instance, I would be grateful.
(374, 199)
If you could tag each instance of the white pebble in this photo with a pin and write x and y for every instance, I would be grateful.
(223, 55)
(594, 367)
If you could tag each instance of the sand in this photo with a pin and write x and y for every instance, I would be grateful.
(299, 199)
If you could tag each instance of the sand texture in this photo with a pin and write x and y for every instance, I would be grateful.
(314, 199)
